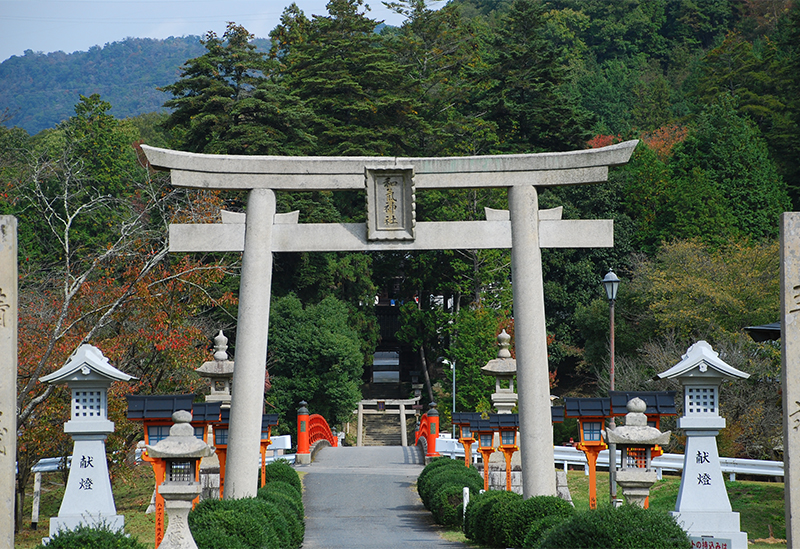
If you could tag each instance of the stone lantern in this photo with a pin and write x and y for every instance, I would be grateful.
(219, 372)
(181, 453)
(636, 440)
(503, 368)
(88, 498)
(703, 507)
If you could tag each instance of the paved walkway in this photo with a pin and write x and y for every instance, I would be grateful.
(365, 497)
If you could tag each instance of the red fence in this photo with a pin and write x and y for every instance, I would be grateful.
(312, 431)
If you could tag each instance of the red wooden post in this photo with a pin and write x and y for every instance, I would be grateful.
(303, 445)
(433, 432)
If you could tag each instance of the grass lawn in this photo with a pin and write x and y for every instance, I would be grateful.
(760, 504)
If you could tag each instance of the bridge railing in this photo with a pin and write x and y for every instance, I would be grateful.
(313, 433)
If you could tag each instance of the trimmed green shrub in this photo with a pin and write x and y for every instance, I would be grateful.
(499, 516)
(436, 465)
(457, 475)
(240, 523)
(286, 494)
(92, 537)
(531, 510)
(282, 470)
(624, 527)
(446, 505)
(477, 513)
(287, 501)
(538, 528)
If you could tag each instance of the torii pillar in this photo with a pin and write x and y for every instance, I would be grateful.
(391, 184)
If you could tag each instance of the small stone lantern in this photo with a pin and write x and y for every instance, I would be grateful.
(218, 372)
(181, 452)
(703, 507)
(636, 440)
(88, 498)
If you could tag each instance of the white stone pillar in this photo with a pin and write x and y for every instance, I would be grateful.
(533, 380)
(360, 426)
(8, 376)
(790, 334)
(403, 432)
(247, 398)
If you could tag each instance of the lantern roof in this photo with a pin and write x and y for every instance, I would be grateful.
(142, 407)
(702, 362)
(587, 407)
(465, 418)
(87, 363)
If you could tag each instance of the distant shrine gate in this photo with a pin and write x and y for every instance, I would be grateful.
(390, 184)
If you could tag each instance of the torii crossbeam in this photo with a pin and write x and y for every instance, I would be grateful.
(390, 184)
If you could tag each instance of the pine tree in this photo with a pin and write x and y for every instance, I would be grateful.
(520, 87)
(227, 101)
(357, 91)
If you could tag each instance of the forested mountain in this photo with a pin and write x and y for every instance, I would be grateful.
(40, 90)
(711, 90)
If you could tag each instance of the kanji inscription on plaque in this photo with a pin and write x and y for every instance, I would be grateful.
(390, 203)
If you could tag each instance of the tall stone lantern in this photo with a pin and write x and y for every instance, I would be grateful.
(703, 508)
(87, 498)
(503, 368)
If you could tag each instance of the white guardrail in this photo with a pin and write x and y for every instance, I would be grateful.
(567, 455)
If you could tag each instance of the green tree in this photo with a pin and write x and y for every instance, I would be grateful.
(520, 87)
(314, 355)
(227, 101)
(724, 183)
(340, 68)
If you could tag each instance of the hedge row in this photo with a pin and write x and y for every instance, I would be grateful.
(617, 528)
(274, 519)
(440, 486)
(92, 537)
(505, 519)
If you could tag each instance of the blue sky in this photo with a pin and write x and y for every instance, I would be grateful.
(77, 25)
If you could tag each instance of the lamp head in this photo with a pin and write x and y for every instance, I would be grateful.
(611, 285)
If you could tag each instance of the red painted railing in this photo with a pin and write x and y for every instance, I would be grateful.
(318, 429)
(311, 430)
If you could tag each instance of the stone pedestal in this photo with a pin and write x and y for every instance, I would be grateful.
(178, 503)
(635, 484)
(87, 498)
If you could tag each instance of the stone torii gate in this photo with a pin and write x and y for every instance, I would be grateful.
(391, 184)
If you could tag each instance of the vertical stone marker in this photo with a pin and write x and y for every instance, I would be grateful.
(790, 355)
(8, 376)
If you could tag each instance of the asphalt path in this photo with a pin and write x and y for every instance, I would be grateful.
(365, 497)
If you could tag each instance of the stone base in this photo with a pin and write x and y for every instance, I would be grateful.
(302, 459)
(209, 480)
(70, 522)
(720, 525)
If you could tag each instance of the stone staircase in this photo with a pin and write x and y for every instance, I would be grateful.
(384, 430)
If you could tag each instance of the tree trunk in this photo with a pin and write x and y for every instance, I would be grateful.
(425, 372)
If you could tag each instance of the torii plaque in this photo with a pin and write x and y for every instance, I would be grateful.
(391, 183)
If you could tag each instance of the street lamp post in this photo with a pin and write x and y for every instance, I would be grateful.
(611, 285)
